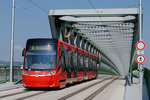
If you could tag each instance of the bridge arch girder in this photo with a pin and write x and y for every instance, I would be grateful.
(111, 35)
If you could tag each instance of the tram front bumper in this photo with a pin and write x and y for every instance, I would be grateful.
(33, 81)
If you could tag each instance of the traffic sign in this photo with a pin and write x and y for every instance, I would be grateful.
(140, 59)
(140, 45)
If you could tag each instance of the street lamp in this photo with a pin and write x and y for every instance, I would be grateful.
(12, 41)
(140, 20)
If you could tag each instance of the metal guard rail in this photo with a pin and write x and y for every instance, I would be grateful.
(4, 73)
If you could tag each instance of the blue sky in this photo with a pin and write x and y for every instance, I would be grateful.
(34, 23)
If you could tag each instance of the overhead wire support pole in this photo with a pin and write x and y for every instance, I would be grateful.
(140, 38)
(12, 41)
(140, 20)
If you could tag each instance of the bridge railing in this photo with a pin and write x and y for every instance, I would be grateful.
(5, 75)
(147, 79)
(102, 71)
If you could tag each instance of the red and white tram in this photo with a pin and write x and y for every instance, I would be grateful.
(54, 63)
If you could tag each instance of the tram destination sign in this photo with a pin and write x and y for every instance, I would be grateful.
(40, 47)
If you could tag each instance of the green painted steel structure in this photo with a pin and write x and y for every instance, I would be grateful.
(147, 79)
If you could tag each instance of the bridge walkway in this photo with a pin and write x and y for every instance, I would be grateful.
(136, 90)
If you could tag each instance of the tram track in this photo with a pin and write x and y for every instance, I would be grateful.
(12, 94)
(82, 89)
(22, 98)
(100, 89)
(10, 89)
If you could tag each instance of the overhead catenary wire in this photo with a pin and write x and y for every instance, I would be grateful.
(38, 6)
(94, 8)
(100, 19)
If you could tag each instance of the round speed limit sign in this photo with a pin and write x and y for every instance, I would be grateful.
(140, 45)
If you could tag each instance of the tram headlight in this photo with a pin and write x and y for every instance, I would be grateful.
(51, 73)
(25, 73)
(48, 74)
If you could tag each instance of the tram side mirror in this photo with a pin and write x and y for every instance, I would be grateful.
(23, 52)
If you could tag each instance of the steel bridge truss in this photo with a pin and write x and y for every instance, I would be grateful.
(110, 34)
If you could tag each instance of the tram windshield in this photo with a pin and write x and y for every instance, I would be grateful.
(41, 57)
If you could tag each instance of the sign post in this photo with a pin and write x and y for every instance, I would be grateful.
(140, 59)
(140, 37)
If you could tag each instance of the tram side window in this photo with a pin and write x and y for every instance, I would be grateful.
(79, 63)
(84, 66)
(74, 61)
(94, 64)
(70, 60)
(81, 60)
(89, 64)
(64, 60)
(60, 56)
(78, 60)
(97, 64)
(86, 63)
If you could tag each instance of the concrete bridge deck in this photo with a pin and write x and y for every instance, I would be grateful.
(117, 90)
